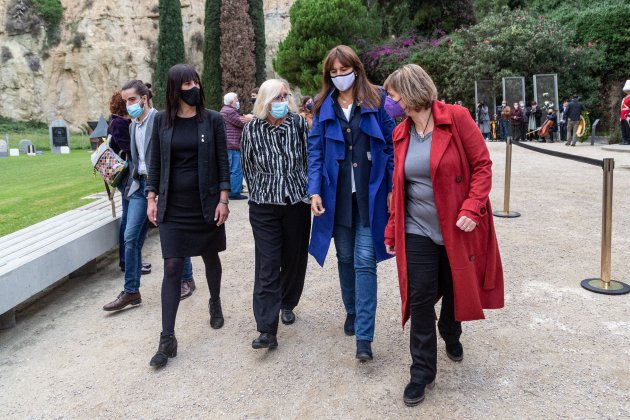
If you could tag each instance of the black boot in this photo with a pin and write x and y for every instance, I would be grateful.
(364, 350)
(216, 314)
(166, 349)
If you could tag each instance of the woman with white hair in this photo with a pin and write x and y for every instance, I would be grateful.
(274, 161)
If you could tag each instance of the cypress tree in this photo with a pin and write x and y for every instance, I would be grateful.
(211, 74)
(170, 50)
(237, 51)
(257, 16)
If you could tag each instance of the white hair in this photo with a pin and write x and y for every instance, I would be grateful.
(229, 97)
(266, 94)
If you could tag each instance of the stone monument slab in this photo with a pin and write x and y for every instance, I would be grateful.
(4, 148)
(59, 136)
(24, 146)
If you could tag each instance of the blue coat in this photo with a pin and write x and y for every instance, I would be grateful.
(326, 146)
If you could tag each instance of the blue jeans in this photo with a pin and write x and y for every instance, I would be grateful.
(135, 234)
(356, 262)
(505, 129)
(236, 173)
(187, 274)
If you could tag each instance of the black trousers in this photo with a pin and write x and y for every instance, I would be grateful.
(281, 236)
(429, 274)
(625, 132)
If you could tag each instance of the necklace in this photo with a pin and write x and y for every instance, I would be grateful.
(345, 101)
(423, 133)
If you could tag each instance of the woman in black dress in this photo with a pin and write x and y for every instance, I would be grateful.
(189, 173)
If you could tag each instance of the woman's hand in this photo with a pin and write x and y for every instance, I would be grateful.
(465, 224)
(316, 205)
(221, 213)
(152, 210)
(390, 249)
(389, 201)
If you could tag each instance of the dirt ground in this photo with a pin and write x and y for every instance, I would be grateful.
(554, 351)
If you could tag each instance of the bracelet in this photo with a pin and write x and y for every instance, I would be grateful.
(226, 202)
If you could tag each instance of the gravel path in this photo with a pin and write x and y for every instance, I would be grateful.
(556, 350)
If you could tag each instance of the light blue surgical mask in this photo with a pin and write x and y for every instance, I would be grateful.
(279, 109)
(135, 110)
(238, 105)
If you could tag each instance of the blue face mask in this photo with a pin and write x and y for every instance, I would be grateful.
(238, 105)
(279, 109)
(135, 110)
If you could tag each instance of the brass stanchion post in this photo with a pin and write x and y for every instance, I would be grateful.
(604, 284)
(508, 179)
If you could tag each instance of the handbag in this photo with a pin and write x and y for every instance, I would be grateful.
(111, 167)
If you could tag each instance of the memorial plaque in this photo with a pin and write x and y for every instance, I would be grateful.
(4, 148)
(24, 145)
(59, 136)
(513, 90)
(484, 92)
(546, 90)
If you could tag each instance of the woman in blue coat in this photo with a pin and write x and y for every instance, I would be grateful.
(350, 165)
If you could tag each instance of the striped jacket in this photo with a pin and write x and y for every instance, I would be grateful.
(274, 160)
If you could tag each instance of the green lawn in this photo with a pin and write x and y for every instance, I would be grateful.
(36, 188)
(38, 133)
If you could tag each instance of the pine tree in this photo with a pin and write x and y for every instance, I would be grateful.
(211, 75)
(170, 50)
(258, 22)
(237, 51)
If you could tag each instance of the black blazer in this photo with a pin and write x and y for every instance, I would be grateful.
(214, 171)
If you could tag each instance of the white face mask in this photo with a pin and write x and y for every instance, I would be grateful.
(344, 81)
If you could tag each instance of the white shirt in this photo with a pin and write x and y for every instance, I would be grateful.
(347, 113)
(141, 141)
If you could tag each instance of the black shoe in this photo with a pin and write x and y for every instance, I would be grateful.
(146, 268)
(455, 351)
(216, 314)
(237, 197)
(364, 350)
(348, 326)
(265, 341)
(287, 317)
(414, 393)
(166, 349)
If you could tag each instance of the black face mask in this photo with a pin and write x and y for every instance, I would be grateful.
(191, 96)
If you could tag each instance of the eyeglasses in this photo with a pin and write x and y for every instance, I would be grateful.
(282, 97)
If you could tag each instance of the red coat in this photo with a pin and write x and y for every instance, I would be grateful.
(462, 177)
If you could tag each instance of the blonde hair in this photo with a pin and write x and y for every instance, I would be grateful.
(266, 94)
(414, 86)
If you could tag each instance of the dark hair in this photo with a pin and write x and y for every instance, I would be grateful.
(305, 99)
(363, 90)
(140, 88)
(255, 90)
(117, 105)
(177, 75)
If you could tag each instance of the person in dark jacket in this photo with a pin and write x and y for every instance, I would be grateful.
(572, 117)
(534, 116)
(516, 118)
(234, 124)
(553, 117)
(350, 165)
(189, 172)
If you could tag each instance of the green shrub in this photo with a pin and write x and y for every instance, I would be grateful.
(170, 48)
(257, 17)
(316, 27)
(211, 75)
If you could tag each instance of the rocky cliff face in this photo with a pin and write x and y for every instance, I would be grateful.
(103, 44)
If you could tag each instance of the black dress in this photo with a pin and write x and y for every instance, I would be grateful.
(184, 232)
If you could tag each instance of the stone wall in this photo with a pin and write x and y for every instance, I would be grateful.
(102, 46)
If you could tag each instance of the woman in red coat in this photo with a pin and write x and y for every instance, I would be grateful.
(440, 226)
